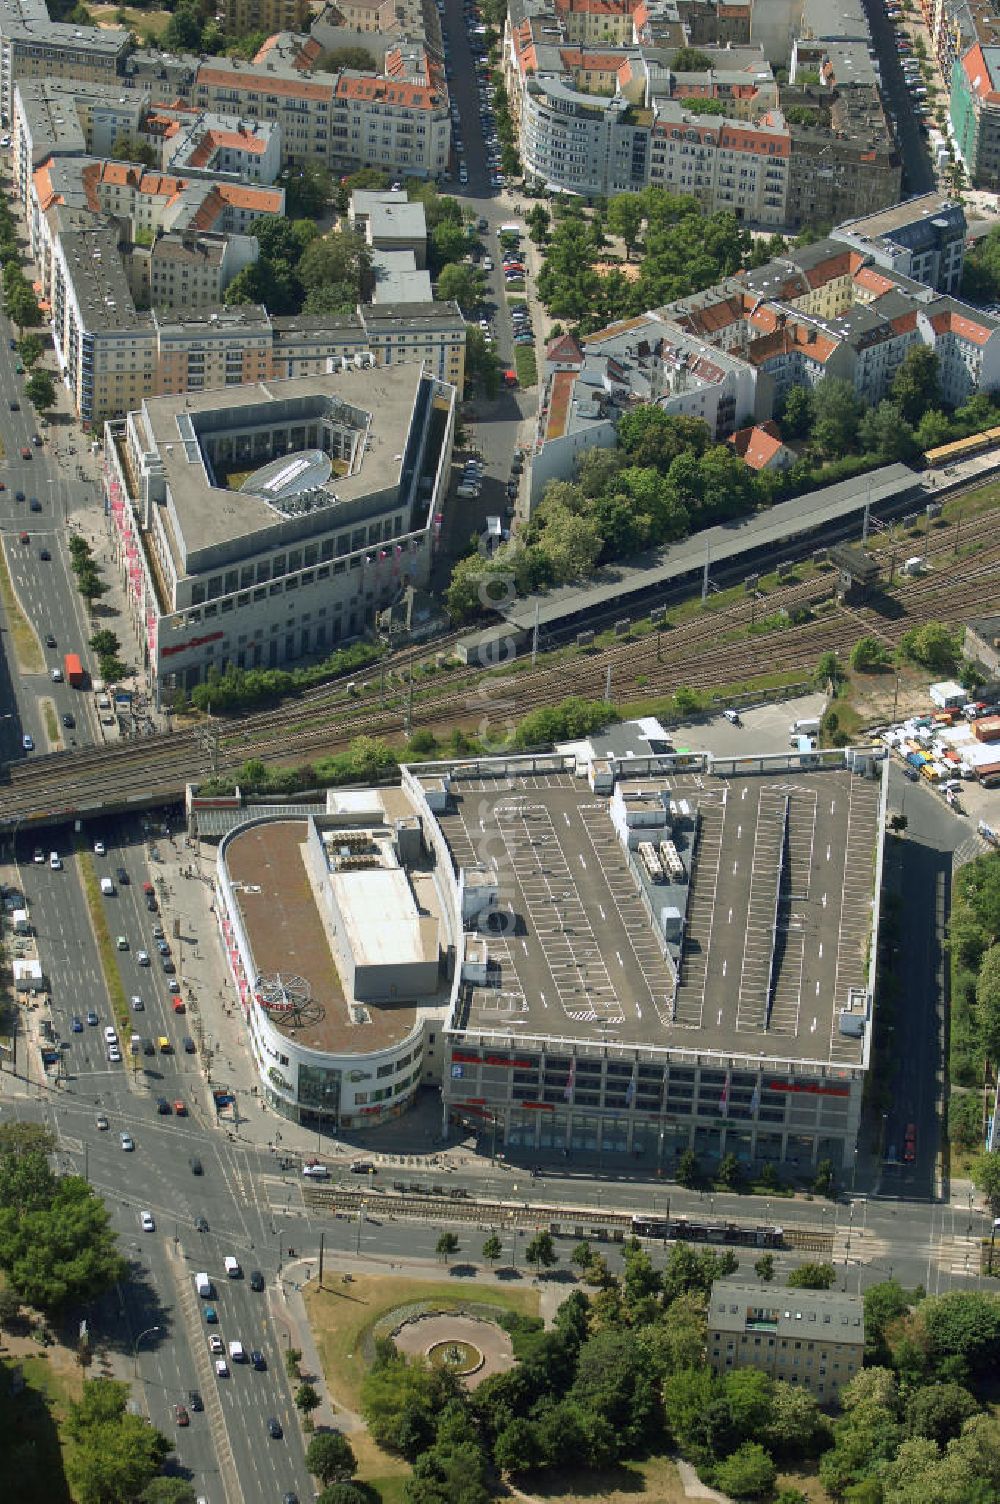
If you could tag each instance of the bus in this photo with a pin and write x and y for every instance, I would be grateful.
(683, 1229)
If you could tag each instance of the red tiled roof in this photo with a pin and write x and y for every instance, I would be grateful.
(563, 350)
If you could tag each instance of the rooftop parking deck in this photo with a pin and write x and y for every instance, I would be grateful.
(778, 914)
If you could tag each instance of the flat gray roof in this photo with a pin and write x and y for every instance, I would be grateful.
(821, 1315)
(724, 542)
(778, 912)
(209, 514)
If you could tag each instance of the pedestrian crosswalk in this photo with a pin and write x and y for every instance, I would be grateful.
(970, 848)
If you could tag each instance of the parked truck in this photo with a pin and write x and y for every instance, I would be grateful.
(73, 670)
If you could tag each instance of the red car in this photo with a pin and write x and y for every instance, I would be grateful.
(180, 1109)
(181, 1416)
(910, 1144)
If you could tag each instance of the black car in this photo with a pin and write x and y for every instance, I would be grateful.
(50, 641)
(188, 1044)
(196, 1167)
(194, 1400)
(15, 406)
(274, 1427)
(34, 504)
(122, 876)
(256, 1280)
(163, 1106)
(44, 555)
(201, 1224)
(168, 966)
(18, 495)
(69, 721)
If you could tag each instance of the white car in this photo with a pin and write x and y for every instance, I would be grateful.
(222, 1368)
(316, 1171)
(99, 848)
(114, 1055)
(146, 1218)
(142, 957)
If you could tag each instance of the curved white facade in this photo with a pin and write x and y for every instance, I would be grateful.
(345, 1087)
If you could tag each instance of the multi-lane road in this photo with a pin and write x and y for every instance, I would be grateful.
(157, 1176)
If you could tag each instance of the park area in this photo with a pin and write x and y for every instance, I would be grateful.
(347, 1320)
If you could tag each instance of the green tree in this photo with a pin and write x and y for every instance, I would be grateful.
(541, 1251)
(460, 284)
(837, 413)
(21, 305)
(307, 1399)
(481, 367)
(183, 30)
(884, 432)
(345, 1493)
(338, 58)
(330, 1457)
(447, 1244)
(168, 1490)
(613, 1381)
(293, 1357)
(126, 148)
(916, 387)
(868, 655)
(730, 1172)
(690, 60)
(985, 1175)
(56, 1242)
(764, 1267)
(688, 1171)
(988, 1003)
(538, 219)
(625, 216)
(572, 542)
(812, 1276)
(308, 190)
(10, 1307)
(447, 242)
(30, 349)
(797, 413)
(492, 1248)
(105, 643)
(794, 1426)
(938, 1412)
(885, 1303)
(748, 1473)
(116, 1454)
(829, 669)
(825, 1179)
(933, 645)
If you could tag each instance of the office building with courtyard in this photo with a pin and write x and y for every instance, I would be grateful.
(260, 524)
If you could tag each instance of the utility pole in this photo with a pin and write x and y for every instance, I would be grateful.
(607, 686)
(704, 581)
(534, 639)
(322, 1238)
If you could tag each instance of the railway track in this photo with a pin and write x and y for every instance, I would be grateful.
(708, 650)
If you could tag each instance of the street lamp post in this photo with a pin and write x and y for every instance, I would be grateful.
(135, 1347)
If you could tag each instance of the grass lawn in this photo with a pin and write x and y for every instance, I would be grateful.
(105, 945)
(37, 1416)
(153, 22)
(525, 365)
(342, 1317)
(27, 649)
(51, 722)
(973, 503)
(654, 1478)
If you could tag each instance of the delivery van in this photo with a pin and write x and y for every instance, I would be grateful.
(203, 1285)
(233, 1270)
(107, 887)
(807, 727)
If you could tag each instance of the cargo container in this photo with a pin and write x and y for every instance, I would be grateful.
(73, 669)
(987, 728)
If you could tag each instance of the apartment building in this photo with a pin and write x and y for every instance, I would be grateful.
(812, 1338)
(597, 113)
(431, 333)
(922, 238)
(187, 269)
(301, 555)
(729, 354)
(725, 164)
(241, 18)
(32, 46)
(975, 113)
